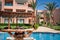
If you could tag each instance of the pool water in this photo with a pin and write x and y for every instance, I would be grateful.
(36, 35)
(46, 36)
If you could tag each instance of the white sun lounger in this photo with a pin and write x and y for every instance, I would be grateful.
(10, 38)
(29, 38)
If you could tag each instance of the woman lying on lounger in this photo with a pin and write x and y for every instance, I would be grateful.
(20, 35)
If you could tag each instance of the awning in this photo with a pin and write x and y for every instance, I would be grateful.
(21, 1)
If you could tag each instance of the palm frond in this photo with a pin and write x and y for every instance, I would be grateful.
(51, 6)
(33, 5)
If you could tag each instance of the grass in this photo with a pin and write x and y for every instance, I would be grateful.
(55, 27)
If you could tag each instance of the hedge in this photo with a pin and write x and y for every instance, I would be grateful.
(1, 24)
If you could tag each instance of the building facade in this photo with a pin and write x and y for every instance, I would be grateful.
(56, 15)
(40, 15)
(20, 6)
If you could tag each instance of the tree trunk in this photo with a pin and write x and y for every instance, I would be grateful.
(16, 21)
(35, 16)
(9, 23)
(51, 17)
(54, 22)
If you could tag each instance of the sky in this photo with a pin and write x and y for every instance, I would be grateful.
(40, 3)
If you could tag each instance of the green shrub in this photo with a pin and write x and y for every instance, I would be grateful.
(1, 24)
(14, 25)
(36, 26)
(26, 27)
(58, 24)
(2, 27)
(42, 23)
(27, 24)
(49, 24)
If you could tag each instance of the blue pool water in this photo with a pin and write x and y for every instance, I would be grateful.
(36, 35)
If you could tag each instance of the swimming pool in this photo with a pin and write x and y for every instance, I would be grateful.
(36, 35)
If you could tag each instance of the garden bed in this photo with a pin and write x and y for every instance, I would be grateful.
(13, 26)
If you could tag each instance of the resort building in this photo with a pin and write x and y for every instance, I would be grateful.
(40, 14)
(21, 7)
(56, 15)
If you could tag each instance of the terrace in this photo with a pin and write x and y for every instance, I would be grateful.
(15, 14)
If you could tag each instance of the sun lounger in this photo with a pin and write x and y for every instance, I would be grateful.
(29, 38)
(10, 38)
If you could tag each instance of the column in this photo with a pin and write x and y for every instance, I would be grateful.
(14, 7)
(3, 2)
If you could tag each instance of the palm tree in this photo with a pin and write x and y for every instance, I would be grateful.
(38, 17)
(51, 6)
(33, 6)
(47, 18)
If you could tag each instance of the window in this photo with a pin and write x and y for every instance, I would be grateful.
(29, 21)
(29, 5)
(42, 18)
(29, 11)
(6, 20)
(8, 2)
(21, 21)
(20, 3)
(20, 10)
(8, 10)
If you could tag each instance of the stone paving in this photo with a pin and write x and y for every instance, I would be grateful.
(46, 29)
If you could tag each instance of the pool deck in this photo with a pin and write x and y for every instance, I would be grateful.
(46, 29)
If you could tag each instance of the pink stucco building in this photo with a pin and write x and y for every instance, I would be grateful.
(56, 15)
(17, 6)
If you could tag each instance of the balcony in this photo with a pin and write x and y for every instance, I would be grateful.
(8, 7)
(8, 4)
(20, 10)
